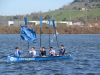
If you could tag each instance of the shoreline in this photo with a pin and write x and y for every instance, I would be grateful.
(61, 29)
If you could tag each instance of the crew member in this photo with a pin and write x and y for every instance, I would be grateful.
(17, 53)
(43, 51)
(62, 50)
(52, 51)
(32, 52)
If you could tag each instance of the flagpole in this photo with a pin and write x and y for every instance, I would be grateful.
(56, 38)
(49, 37)
(25, 20)
(40, 37)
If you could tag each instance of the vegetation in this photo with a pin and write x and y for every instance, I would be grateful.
(9, 29)
(62, 29)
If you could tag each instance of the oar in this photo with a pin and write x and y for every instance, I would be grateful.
(20, 40)
(40, 30)
(25, 21)
(54, 26)
(49, 30)
(67, 53)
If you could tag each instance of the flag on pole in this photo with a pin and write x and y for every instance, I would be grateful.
(28, 34)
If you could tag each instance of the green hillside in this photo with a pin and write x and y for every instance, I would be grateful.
(74, 11)
(73, 14)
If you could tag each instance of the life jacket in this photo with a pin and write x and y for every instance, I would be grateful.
(52, 53)
(17, 54)
(62, 52)
(32, 53)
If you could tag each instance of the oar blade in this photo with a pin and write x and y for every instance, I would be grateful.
(53, 22)
(40, 22)
(25, 21)
(48, 23)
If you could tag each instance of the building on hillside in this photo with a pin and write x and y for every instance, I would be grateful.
(78, 23)
(64, 22)
(83, 9)
(15, 23)
(70, 23)
(33, 22)
(7, 23)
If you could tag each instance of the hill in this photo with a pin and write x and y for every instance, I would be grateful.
(85, 10)
(78, 10)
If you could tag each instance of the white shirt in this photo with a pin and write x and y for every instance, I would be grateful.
(33, 52)
(52, 52)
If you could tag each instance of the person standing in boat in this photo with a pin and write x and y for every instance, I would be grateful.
(51, 52)
(62, 50)
(17, 53)
(32, 52)
(43, 51)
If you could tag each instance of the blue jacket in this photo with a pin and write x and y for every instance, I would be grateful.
(32, 54)
(61, 51)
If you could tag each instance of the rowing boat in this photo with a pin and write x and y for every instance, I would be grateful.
(38, 58)
(29, 35)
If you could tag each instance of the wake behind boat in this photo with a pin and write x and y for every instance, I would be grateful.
(25, 59)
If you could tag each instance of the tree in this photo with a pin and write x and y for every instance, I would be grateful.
(75, 8)
(64, 19)
(79, 8)
(86, 4)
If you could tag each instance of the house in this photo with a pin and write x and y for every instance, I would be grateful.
(83, 9)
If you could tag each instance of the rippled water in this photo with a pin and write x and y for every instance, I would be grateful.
(85, 49)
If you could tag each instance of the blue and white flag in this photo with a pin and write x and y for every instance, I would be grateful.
(28, 34)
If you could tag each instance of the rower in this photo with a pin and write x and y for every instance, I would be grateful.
(32, 52)
(17, 53)
(51, 52)
(62, 50)
(43, 51)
